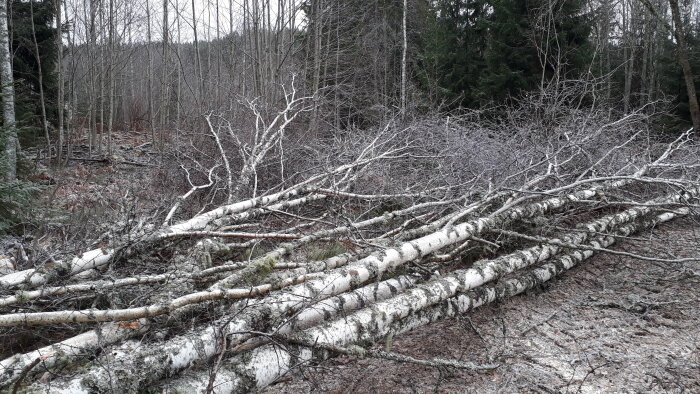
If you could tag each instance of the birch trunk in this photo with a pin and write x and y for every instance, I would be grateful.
(264, 365)
(8, 99)
(98, 257)
(93, 77)
(111, 78)
(629, 21)
(165, 74)
(62, 352)
(151, 117)
(465, 302)
(365, 324)
(197, 59)
(168, 358)
(404, 51)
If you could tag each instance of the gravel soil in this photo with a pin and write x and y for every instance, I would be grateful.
(613, 324)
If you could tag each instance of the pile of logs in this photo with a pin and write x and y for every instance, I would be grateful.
(234, 298)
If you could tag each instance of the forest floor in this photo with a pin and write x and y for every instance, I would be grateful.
(612, 324)
(91, 194)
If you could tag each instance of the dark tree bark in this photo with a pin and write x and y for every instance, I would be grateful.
(682, 53)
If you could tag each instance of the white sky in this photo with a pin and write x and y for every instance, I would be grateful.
(133, 13)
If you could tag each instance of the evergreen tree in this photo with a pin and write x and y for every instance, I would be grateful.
(16, 196)
(453, 54)
(480, 51)
(25, 66)
(511, 61)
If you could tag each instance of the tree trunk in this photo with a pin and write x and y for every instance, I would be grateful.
(218, 56)
(93, 77)
(682, 53)
(60, 92)
(183, 350)
(197, 59)
(151, 119)
(264, 365)
(72, 93)
(315, 87)
(42, 98)
(628, 24)
(178, 88)
(103, 79)
(165, 80)
(8, 98)
(404, 50)
(383, 315)
(111, 78)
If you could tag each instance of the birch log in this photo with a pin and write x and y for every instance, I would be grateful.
(267, 364)
(166, 359)
(66, 351)
(504, 288)
(365, 324)
(99, 257)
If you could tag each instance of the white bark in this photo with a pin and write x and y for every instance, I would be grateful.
(364, 324)
(8, 99)
(166, 358)
(97, 315)
(224, 157)
(182, 351)
(175, 276)
(185, 196)
(404, 51)
(465, 302)
(284, 249)
(60, 90)
(125, 372)
(36, 277)
(346, 302)
(54, 355)
(268, 363)
(99, 257)
(267, 135)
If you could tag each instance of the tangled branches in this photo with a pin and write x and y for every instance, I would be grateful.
(420, 223)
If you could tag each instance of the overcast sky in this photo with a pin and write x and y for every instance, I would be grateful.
(133, 13)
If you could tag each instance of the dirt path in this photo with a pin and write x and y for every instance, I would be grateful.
(613, 324)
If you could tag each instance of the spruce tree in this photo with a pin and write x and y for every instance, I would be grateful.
(529, 42)
(25, 66)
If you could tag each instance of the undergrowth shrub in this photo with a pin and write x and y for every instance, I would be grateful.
(16, 200)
